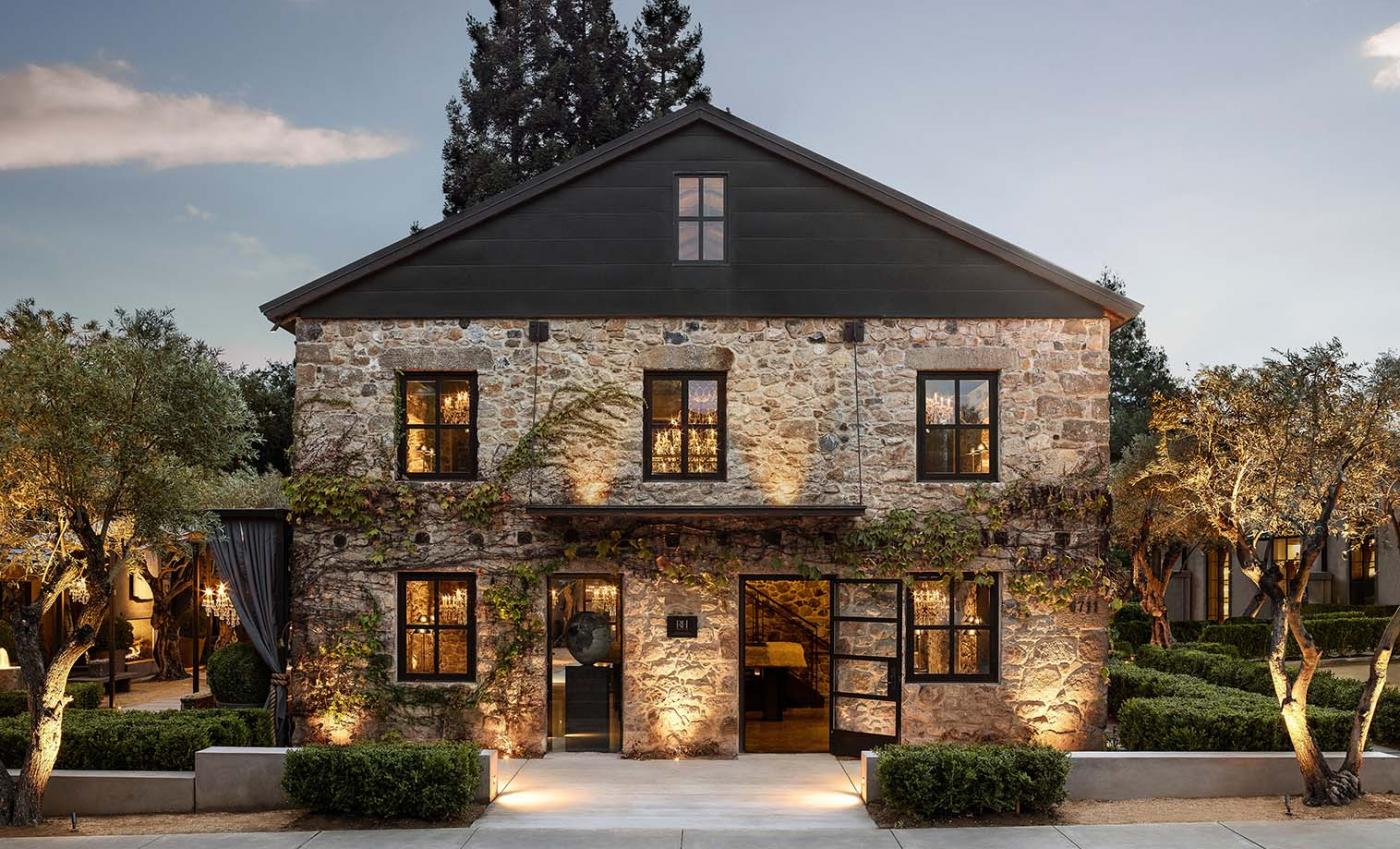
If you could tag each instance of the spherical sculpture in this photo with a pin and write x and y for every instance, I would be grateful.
(589, 637)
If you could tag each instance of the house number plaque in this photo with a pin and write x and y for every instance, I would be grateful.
(682, 626)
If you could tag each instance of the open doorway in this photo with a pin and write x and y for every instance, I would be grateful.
(785, 652)
(585, 663)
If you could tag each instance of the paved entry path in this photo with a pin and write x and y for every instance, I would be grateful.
(600, 791)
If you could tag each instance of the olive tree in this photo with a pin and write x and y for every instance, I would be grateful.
(1300, 445)
(1156, 523)
(107, 433)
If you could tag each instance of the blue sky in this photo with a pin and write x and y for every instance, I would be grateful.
(1238, 163)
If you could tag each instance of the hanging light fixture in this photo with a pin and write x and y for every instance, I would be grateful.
(218, 604)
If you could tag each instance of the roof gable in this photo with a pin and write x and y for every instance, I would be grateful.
(595, 237)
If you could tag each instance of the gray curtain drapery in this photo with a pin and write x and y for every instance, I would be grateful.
(250, 555)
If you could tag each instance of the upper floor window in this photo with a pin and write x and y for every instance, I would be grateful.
(437, 626)
(952, 633)
(700, 218)
(438, 420)
(684, 425)
(957, 426)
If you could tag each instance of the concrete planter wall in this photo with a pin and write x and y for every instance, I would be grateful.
(1184, 775)
(225, 778)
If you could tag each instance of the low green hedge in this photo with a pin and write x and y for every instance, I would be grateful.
(1209, 648)
(1164, 711)
(1250, 639)
(147, 740)
(86, 696)
(941, 780)
(1187, 632)
(429, 781)
(1384, 611)
(1327, 690)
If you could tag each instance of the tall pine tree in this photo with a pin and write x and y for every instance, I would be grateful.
(670, 61)
(551, 79)
(1137, 372)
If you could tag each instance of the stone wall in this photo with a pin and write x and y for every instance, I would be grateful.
(791, 439)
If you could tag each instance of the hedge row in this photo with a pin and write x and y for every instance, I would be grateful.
(85, 697)
(1138, 632)
(1335, 635)
(1326, 691)
(430, 781)
(941, 780)
(1162, 711)
(164, 740)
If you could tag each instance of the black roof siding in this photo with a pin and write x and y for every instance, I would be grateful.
(596, 238)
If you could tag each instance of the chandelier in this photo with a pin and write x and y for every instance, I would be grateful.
(930, 601)
(600, 597)
(938, 409)
(452, 607)
(217, 603)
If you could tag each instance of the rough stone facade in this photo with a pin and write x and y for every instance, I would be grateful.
(792, 414)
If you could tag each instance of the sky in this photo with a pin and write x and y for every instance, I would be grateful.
(1238, 164)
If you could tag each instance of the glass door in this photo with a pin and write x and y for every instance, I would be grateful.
(865, 656)
(585, 663)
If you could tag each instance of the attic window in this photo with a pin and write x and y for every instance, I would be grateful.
(700, 218)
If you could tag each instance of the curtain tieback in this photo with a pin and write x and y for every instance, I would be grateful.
(281, 679)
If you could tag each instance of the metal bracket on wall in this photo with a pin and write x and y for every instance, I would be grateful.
(539, 331)
(853, 331)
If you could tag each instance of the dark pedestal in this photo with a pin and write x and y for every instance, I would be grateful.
(774, 685)
(587, 708)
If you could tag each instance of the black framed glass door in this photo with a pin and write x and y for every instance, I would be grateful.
(865, 662)
(585, 663)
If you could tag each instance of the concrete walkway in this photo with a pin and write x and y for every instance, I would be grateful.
(599, 791)
(1315, 834)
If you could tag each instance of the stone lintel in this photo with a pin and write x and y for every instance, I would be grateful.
(687, 358)
(437, 359)
(979, 358)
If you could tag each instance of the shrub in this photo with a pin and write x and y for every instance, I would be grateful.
(941, 780)
(85, 697)
(238, 676)
(1187, 631)
(430, 781)
(128, 740)
(1133, 633)
(126, 635)
(1385, 611)
(1209, 648)
(1164, 711)
(1347, 635)
(1250, 639)
(1326, 691)
(1131, 611)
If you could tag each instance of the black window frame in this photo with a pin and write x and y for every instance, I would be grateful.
(721, 427)
(993, 425)
(438, 427)
(1361, 590)
(1217, 569)
(700, 218)
(993, 628)
(403, 627)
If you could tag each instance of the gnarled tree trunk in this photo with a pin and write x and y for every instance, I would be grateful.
(167, 586)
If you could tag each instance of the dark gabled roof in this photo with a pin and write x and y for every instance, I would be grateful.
(282, 309)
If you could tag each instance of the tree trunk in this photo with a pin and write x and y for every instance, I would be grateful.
(1370, 698)
(165, 588)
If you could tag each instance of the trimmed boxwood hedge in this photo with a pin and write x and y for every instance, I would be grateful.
(86, 696)
(1209, 648)
(1327, 690)
(238, 675)
(148, 740)
(429, 781)
(1163, 711)
(941, 780)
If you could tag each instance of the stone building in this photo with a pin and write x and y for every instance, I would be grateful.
(805, 350)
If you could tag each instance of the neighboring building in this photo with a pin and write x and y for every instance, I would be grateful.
(1353, 571)
(810, 348)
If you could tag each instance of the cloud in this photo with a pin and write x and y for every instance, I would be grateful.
(195, 213)
(58, 115)
(1385, 45)
(262, 263)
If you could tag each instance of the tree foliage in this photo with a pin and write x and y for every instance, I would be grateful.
(1138, 372)
(548, 80)
(1303, 444)
(107, 433)
(269, 392)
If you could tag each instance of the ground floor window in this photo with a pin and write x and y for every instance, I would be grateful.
(952, 634)
(1361, 563)
(1218, 584)
(437, 626)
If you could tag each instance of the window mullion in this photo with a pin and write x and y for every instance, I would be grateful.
(685, 424)
(437, 620)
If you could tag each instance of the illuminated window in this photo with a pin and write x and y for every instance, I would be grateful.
(957, 426)
(1361, 565)
(684, 425)
(700, 218)
(437, 626)
(438, 420)
(1218, 584)
(952, 633)
(1286, 551)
